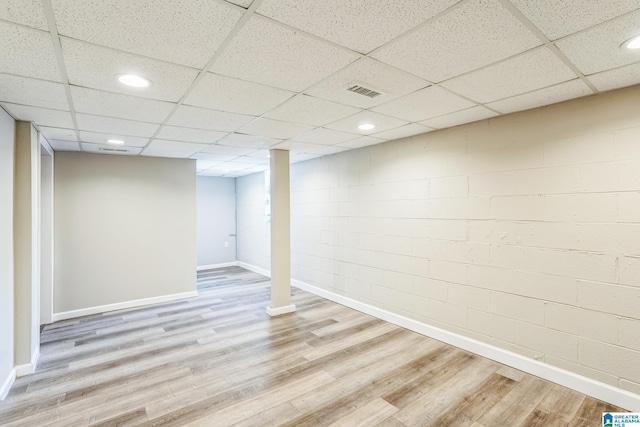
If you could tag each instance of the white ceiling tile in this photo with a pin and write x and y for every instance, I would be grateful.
(469, 115)
(264, 160)
(423, 104)
(369, 73)
(550, 95)
(27, 52)
(119, 126)
(233, 165)
(91, 101)
(213, 157)
(325, 136)
(165, 148)
(205, 164)
(301, 157)
(557, 18)
(60, 134)
(256, 168)
(523, 73)
(274, 128)
(403, 131)
(248, 141)
(24, 12)
(303, 147)
(227, 149)
(200, 136)
(237, 96)
(598, 49)
(110, 149)
(185, 32)
(243, 3)
(620, 77)
(40, 116)
(263, 153)
(64, 145)
(98, 67)
(101, 138)
(310, 111)
(382, 123)
(473, 35)
(354, 23)
(202, 118)
(267, 53)
(210, 172)
(38, 93)
(363, 141)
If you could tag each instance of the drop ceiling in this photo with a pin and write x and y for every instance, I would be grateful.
(233, 79)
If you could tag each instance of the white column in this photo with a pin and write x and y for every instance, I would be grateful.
(26, 223)
(280, 235)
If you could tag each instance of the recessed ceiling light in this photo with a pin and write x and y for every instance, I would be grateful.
(632, 43)
(226, 170)
(366, 126)
(133, 80)
(115, 141)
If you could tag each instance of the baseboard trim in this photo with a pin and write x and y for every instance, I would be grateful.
(254, 268)
(593, 388)
(7, 384)
(210, 266)
(281, 310)
(121, 305)
(28, 368)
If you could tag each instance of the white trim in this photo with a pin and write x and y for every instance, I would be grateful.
(6, 385)
(254, 268)
(122, 305)
(210, 266)
(281, 310)
(588, 386)
(28, 368)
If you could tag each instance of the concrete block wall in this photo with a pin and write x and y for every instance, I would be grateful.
(521, 231)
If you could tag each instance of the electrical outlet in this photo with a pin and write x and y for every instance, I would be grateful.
(226, 244)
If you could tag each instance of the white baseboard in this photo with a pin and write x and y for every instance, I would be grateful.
(28, 368)
(588, 386)
(253, 268)
(7, 383)
(281, 310)
(122, 305)
(582, 384)
(210, 266)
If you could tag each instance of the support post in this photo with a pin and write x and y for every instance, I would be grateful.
(280, 235)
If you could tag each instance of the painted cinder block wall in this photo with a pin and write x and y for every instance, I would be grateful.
(521, 231)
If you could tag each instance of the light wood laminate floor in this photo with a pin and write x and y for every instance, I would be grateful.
(219, 360)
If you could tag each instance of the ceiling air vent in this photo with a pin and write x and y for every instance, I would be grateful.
(364, 90)
(114, 150)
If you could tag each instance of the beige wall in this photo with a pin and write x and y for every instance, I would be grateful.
(521, 231)
(26, 239)
(125, 229)
(7, 138)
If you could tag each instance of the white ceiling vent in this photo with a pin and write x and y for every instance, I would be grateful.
(364, 90)
(113, 150)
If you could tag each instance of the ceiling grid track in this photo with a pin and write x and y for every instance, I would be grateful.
(236, 29)
(57, 47)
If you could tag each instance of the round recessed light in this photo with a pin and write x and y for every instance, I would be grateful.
(115, 141)
(133, 80)
(226, 170)
(632, 43)
(366, 126)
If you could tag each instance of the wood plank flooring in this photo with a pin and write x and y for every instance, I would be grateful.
(219, 360)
